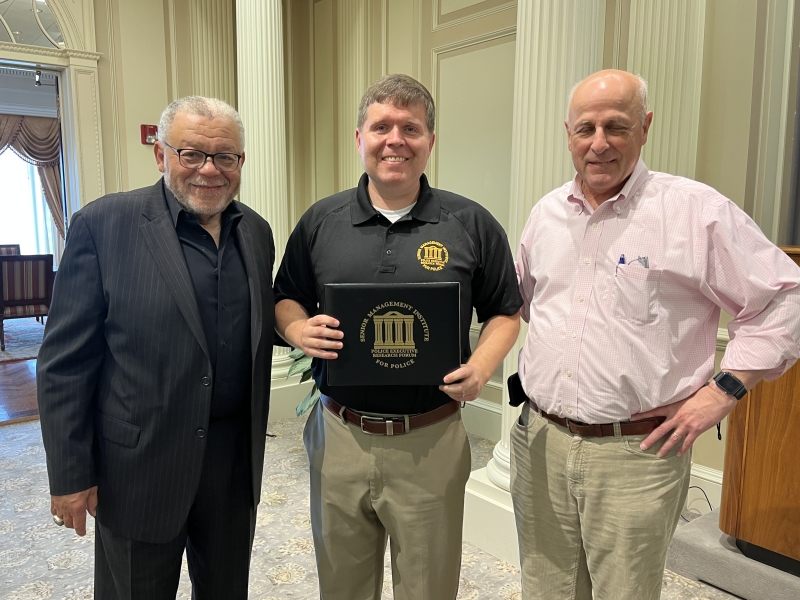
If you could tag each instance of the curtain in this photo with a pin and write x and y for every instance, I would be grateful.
(37, 140)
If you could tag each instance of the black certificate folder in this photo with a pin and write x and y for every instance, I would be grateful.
(394, 334)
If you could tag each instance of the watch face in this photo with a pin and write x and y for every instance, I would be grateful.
(730, 385)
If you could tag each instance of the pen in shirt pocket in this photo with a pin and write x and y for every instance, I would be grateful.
(642, 260)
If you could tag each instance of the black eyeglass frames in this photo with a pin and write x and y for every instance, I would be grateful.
(195, 159)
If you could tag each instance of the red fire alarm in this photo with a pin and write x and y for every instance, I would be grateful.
(149, 134)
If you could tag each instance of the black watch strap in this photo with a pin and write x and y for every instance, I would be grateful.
(730, 384)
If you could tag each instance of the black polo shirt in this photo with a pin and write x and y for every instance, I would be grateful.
(343, 239)
(220, 286)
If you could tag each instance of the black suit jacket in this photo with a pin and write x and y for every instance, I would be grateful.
(124, 378)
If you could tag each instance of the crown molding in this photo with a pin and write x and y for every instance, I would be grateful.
(50, 52)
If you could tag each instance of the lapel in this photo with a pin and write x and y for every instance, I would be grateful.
(253, 282)
(161, 237)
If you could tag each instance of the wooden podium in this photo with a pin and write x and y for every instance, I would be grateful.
(761, 483)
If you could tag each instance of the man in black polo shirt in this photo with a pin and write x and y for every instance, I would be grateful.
(154, 373)
(409, 487)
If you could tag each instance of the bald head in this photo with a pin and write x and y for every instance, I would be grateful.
(624, 81)
(607, 125)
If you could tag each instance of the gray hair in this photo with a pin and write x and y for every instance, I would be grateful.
(400, 90)
(210, 108)
(641, 92)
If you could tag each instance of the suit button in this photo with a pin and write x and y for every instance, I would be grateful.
(201, 433)
(205, 381)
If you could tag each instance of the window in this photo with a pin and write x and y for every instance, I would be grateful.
(24, 216)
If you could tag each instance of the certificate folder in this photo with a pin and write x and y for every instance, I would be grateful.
(394, 334)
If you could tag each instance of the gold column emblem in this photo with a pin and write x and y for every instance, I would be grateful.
(394, 345)
(433, 255)
(394, 330)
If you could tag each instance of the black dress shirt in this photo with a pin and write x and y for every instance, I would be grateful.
(220, 285)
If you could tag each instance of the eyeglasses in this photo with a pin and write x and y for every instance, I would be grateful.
(196, 159)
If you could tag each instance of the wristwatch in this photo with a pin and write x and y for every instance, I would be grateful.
(730, 385)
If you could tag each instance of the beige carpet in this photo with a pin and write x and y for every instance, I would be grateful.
(23, 338)
(40, 561)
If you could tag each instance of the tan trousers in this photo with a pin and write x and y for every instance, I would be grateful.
(366, 487)
(594, 515)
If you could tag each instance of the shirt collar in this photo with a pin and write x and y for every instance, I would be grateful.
(231, 213)
(426, 209)
(635, 181)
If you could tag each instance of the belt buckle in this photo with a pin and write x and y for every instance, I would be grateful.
(389, 424)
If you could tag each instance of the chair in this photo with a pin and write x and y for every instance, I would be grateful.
(27, 287)
(6, 249)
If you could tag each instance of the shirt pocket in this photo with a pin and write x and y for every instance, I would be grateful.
(635, 292)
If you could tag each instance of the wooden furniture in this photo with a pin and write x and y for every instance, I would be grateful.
(6, 249)
(761, 483)
(27, 287)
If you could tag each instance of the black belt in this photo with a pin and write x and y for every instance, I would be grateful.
(389, 425)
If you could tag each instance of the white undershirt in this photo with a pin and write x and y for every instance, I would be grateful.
(394, 215)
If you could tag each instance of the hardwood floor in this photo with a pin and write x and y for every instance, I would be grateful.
(18, 391)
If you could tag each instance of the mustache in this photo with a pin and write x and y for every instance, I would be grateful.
(204, 181)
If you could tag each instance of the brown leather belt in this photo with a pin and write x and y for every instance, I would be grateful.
(643, 427)
(389, 425)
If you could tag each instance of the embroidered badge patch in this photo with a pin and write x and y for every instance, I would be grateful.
(433, 256)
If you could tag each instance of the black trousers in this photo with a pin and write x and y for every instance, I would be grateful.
(217, 535)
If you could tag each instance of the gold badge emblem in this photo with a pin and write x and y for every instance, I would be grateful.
(433, 255)
(394, 345)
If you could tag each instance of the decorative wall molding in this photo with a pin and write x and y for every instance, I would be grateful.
(352, 78)
(73, 35)
(479, 14)
(83, 153)
(116, 148)
(64, 53)
(665, 46)
(172, 26)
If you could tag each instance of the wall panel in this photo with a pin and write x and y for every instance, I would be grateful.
(475, 92)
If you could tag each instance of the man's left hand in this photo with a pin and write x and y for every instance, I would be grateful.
(688, 418)
(463, 384)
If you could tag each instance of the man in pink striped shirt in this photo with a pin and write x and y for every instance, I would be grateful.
(623, 272)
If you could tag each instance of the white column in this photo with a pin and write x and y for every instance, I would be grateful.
(213, 30)
(665, 46)
(558, 44)
(259, 43)
(351, 83)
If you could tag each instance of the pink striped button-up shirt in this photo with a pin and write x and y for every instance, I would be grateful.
(608, 337)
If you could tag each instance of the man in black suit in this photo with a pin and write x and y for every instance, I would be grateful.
(154, 373)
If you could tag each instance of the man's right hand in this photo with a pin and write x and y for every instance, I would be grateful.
(73, 508)
(316, 336)
(320, 338)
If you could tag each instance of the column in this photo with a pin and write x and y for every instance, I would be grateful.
(259, 44)
(665, 46)
(558, 44)
(213, 31)
(352, 80)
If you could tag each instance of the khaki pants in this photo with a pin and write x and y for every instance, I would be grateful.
(408, 487)
(594, 515)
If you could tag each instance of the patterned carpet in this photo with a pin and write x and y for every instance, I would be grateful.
(41, 561)
(23, 338)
